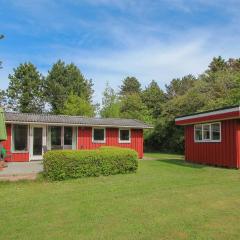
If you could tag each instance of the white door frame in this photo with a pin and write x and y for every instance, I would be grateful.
(44, 141)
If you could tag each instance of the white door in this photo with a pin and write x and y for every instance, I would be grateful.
(37, 141)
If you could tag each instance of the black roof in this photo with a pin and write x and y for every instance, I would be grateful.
(73, 120)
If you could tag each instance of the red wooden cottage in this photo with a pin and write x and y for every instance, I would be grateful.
(213, 137)
(29, 134)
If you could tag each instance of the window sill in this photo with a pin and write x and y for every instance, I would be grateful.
(208, 141)
(98, 141)
(124, 141)
(19, 151)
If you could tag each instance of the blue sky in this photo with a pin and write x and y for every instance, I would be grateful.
(111, 39)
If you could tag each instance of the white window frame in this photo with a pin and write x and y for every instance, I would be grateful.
(99, 141)
(119, 135)
(208, 140)
(12, 139)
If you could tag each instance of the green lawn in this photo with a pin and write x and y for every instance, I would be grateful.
(165, 199)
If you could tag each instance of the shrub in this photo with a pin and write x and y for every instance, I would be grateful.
(65, 164)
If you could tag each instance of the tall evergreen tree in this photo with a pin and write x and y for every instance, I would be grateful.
(25, 90)
(153, 97)
(62, 80)
(3, 100)
(1, 37)
(110, 103)
(130, 85)
(179, 86)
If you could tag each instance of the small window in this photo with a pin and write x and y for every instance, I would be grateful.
(206, 132)
(215, 132)
(210, 132)
(99, 135)
(68, 135)
(124, 136)
(20, 137)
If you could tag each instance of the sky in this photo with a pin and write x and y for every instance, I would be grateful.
(111, 39)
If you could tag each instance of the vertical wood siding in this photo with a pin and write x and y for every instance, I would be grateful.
(238, 144)
(16, 157)
(224, 153)
(85, 139)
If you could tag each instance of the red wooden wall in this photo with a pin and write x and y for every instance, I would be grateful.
(85, 139)
(16, 157)
(225, 153)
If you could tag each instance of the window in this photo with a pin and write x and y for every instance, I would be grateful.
(20, 137)
(206, 132)
(124, 136)
(198, 132)
(68, 135)
(215, 131)
(99, 135)
(56, 137)
(210, 132)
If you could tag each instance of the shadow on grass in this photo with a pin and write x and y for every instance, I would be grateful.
(182, 163)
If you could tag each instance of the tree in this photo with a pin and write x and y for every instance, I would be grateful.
(130, 85)
(77, 106)
(153, 97)
(133, 107)
(3, 100)
(1, 37)
(25, 90)
(110, 103)
(62, 80)
(217, 64)
(179, 86)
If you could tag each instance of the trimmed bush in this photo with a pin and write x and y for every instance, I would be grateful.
(65, 164)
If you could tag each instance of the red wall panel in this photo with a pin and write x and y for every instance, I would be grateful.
(85, 139)
(224, 153)
(238, 144)
(16, 157)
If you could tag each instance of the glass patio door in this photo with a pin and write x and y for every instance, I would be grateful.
(38, 140)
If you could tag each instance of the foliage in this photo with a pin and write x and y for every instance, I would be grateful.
(1, 37)
(179, 86)
(62, 80)
(133, 107)
(65, 164)
(77, 106)
(3, 100)
(153, 97)
(110, 103)
(25, 90)
(218, 86)
(130, 85)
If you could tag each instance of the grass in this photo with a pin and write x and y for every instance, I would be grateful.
(166, 199)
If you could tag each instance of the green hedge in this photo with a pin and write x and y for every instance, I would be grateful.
(65, 164)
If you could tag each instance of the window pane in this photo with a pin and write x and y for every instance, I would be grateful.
(98, 134)
(198, 132)
(215, 131)
(55, 137)
(20, 135)
(67, 135)
(124, 135)
(206, 132)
